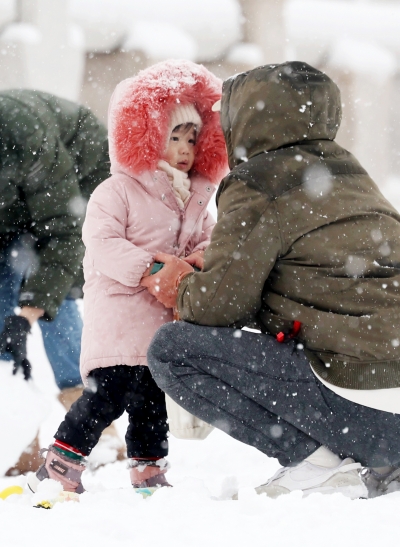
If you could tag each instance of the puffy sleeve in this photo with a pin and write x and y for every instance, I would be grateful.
(104, 237)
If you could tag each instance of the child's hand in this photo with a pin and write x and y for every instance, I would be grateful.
(148, 270)
(196, 259)
(164, 284)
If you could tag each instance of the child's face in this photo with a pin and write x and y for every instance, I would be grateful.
(181, 149)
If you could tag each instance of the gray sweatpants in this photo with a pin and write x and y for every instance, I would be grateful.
(264, 394)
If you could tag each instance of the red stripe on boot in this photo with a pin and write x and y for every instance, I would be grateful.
(69, 448)
(155, 458)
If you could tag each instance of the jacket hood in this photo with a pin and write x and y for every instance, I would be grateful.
(277, 105)
(139, 117)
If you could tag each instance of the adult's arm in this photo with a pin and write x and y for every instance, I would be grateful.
(245, 244)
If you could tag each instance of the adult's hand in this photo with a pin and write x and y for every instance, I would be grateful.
(164, 284)
(30, 313)
(13, 340)
(196, 259)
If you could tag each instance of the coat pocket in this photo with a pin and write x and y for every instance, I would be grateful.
(118, 288)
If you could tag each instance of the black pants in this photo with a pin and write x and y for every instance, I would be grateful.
(112, 391)
(265, 394)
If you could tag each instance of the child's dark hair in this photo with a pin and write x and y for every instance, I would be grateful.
(186, 127)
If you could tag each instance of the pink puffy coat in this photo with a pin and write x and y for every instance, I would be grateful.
(134, 214)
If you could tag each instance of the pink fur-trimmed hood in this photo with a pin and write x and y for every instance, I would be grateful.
(139, 115)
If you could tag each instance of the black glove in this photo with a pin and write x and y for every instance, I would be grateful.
(13, 340)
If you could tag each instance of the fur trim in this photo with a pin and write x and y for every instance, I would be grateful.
(140, 111)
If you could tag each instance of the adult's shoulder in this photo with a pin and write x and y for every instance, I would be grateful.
(29, 114)
(14, 108)
(271, 173)
(277, 172)
(250, 177)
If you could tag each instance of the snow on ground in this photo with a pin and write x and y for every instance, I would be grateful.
(197, 512)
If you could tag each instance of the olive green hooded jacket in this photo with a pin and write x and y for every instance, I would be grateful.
(303, 233)
(53, 153)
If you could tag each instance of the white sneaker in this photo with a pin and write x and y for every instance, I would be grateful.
(312, 478)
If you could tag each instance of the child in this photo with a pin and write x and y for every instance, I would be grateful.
(167, 152)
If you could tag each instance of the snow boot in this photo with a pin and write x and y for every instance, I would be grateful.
(309, 478)
(60, 468)
(148, 475)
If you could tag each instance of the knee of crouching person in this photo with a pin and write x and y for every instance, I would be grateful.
(160, 353)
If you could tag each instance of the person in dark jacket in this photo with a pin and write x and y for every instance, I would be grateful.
(306, 251)
(53, 154)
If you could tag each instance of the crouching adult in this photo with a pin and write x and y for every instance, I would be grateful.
(306, 250)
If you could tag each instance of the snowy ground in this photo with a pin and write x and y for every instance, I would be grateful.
(197, 512)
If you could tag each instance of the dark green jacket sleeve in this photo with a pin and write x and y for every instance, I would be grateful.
(53, 198)
(244, 246)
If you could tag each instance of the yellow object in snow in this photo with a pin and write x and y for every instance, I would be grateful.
(10, 490)
(44, 505)
(63, 496)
